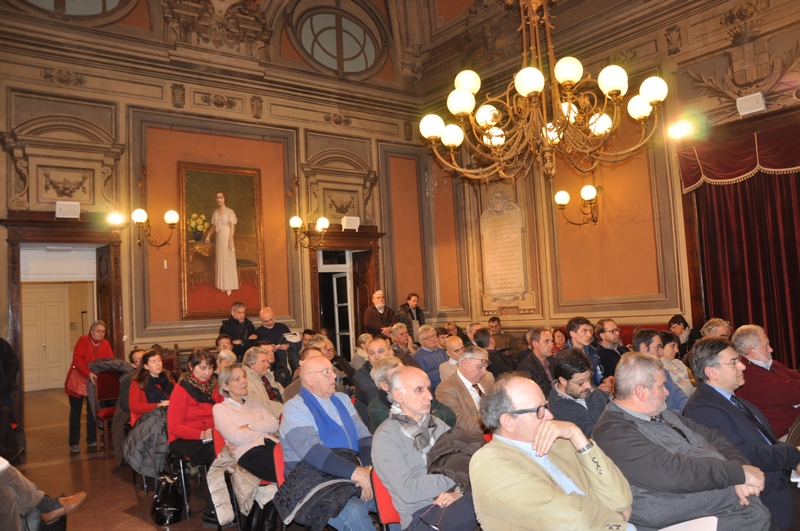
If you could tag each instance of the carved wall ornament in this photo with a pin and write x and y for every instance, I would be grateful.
(743, 18)
(219, 101)
(63, 78)
(257, 107)
(231, 25)
(482, 5)
(337, 119)
(412, 70)
(674, 41)
(620, 58)
(492, 42)
(342, 204)
(340, 181)
(178, 95)
(65, 187)
(408, 131)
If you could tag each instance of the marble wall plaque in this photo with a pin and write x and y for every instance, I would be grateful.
(502, 245)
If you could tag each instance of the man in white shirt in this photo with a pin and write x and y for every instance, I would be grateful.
(453, 346)
(463, 390)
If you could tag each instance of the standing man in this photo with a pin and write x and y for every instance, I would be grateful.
(770, 385)
(453, 346)
(540, 473)
(402, 346)
(463, 391)
(430, 356)
(366, 390)
(379, 318)
(502, 341)
(609, 346)
(536, 364)
(580, 336)
(240, 329)
(320, 421)
(573, 397)
(410, 314)
(274, 333)
(717, 367)
(400, 454)
(678, 470)
(648, 341)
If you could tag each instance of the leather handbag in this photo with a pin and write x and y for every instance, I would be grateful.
(76, 382)
(167, 508)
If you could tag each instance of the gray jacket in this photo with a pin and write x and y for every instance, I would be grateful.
(572, 411)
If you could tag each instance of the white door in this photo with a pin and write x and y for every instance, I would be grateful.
(342, 289)
(45, 335)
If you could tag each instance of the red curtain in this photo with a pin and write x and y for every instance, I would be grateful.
(750, 246)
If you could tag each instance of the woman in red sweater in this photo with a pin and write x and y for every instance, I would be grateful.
(88, 348)
(151, 386)
(190, 422)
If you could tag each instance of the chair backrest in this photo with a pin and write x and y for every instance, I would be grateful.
(487, 437)
(387, 514)
(219, 441)
(280, 466)
(107, 387)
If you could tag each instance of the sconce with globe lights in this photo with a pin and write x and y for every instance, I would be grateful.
(140, 219)
(302, 238)
(573, 115)
(588, 204)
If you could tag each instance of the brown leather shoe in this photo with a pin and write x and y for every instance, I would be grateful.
(69, 505)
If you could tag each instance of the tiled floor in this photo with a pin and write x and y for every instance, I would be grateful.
(113, 501)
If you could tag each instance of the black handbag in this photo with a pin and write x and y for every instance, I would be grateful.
(262, 518)
(167, 506)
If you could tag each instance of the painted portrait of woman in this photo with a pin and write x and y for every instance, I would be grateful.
(223, 223)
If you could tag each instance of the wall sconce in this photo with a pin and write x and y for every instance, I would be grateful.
(588, 204)
(139, 217)
(301, 237)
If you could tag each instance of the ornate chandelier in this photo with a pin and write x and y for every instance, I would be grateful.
(505, 135)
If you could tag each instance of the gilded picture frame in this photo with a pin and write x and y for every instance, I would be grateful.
(207, 265)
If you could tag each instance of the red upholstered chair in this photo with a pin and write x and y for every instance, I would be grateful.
(487, 437)
(107, 389)
(280, 466)
(387, 514)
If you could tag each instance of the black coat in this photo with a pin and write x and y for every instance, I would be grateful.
(609, 358)
(9, 368)
(405, 317)
(531, 367)
(240, 331)
(451, 453)
(500, 363)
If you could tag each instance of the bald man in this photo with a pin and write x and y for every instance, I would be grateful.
(453, 347)
(293, 389)
(274, 333)
(322, 433)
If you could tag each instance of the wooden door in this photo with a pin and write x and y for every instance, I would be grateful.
(45, 336)
(363, 286)
(109, 296)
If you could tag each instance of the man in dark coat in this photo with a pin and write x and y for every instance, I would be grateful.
(609, 346)
(366, 390)
(716, 365)
(240, 328)
(379, 318)
(537, 358)
(573, 397)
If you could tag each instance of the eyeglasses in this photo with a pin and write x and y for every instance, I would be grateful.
(582, 382)
(327, 373)
(731, 363)
(540, 411)
(482, 363)
(99, 331)
(428, 338)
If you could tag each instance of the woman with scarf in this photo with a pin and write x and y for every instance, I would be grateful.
(151, 386)
(190, 421)
(246, 424)
(88, 349)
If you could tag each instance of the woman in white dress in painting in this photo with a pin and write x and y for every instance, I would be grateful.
(224, 223)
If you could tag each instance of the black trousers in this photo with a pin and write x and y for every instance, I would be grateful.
(458, 516)
(75, 411)
(198, 452)
(260, 462)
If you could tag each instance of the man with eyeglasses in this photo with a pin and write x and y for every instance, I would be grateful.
(608, 344)
(716, 365)
(770, 385)
(540, 473)
(463, 390)
(324, 438)
(430, 355)
(647, 341)
(678, 469)
(573, 397)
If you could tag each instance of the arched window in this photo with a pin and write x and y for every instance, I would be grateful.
(337, 41)
(84, 12)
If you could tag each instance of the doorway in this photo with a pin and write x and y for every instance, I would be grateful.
(337, 312)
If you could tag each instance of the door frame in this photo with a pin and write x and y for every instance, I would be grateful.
(366, 238)
(25, 226)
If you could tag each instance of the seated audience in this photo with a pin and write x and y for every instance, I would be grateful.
(539, 473)
(430, 355)
(402, 346)
(274, 333)
(678, 470)
(573, 397)
(442, 335)
(559, 339)
(471, 329)
(536, 360)
(249, 429)
(361, 352)
(462, 391)
(344, 371)
(647, 341)
(687, 336)
(240, 329)
(260, 388)
(379, 318)
(278, 372)
(609, 345)
(453, 347)
(190, 421)
(717, 367)
(19, 496)
(502, 341)
(223, 342)
(225, 357)
(580, 331)
(294, 388)
(122, 411)
(366, 390)
(676, 369)
(716, 327)
(770, 385)
(400, 455)
(151, 387)
(499, 363)
(378, 409)
(454, 330)
(410, 314)
(316, 423)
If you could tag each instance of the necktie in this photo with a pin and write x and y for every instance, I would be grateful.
(673, 426)
(753, 419)
(478, 388)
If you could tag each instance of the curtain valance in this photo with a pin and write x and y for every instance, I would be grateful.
(733, 160)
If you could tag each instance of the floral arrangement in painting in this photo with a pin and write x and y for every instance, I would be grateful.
(198, 225)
